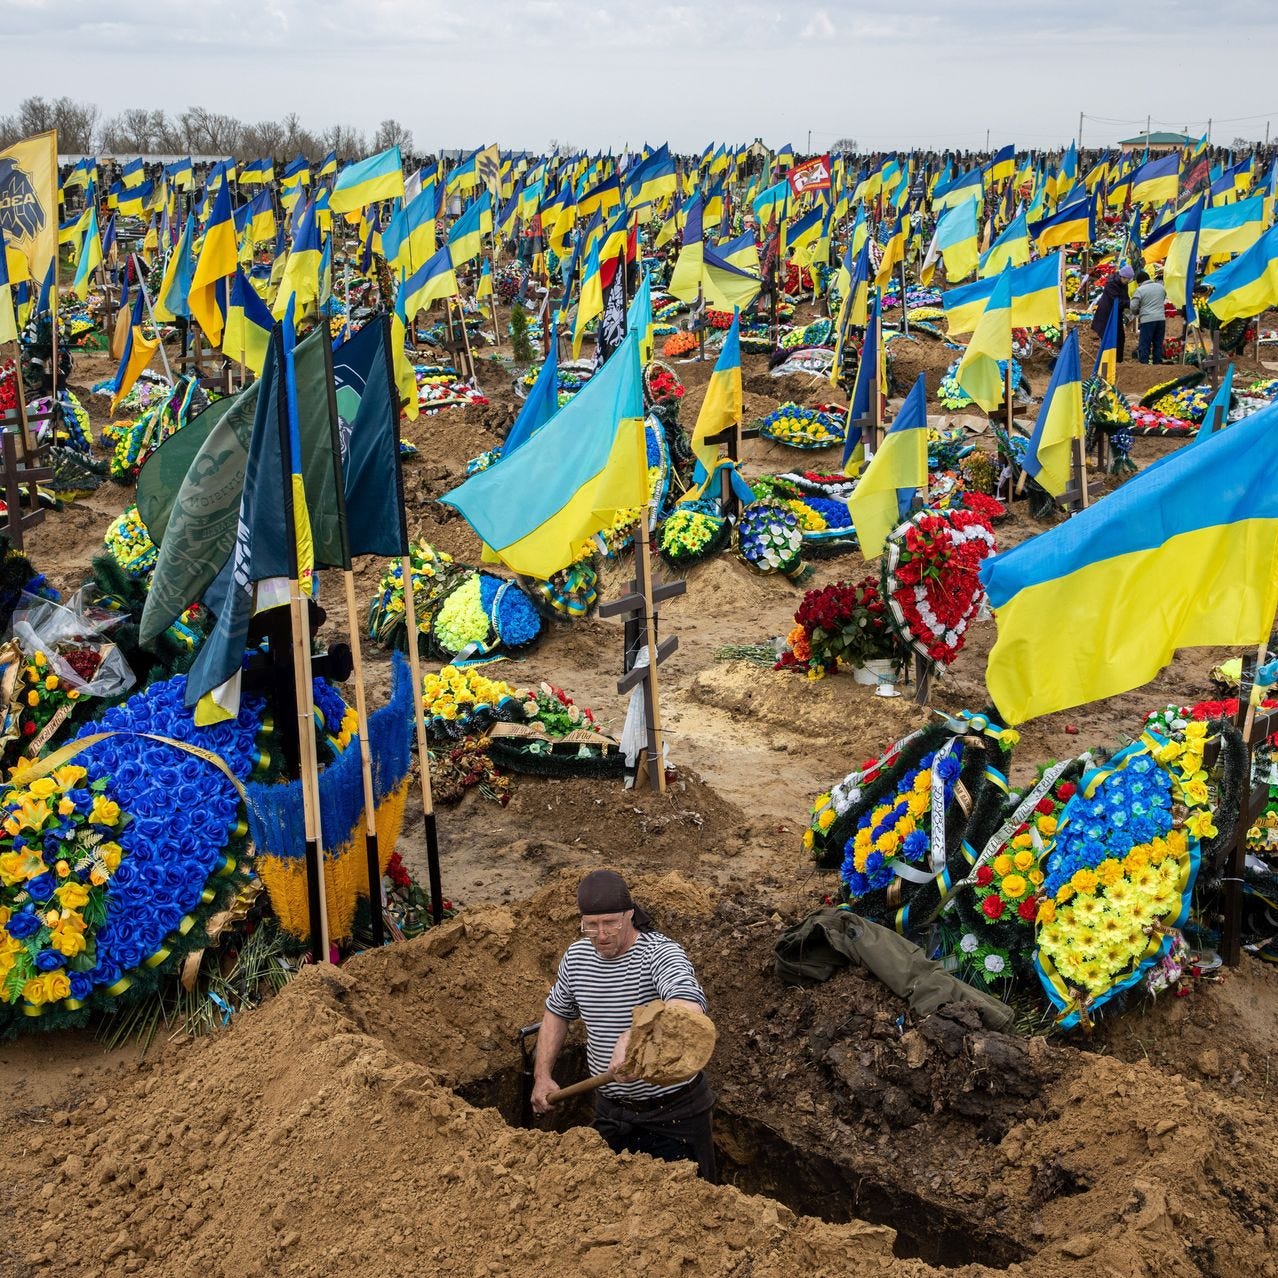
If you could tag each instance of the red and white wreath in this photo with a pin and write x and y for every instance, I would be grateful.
(931, 579)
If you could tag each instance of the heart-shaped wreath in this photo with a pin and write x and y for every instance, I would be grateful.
(931, 579)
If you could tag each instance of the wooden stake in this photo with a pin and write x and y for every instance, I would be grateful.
(423, 751)
(1080, 460)
(375, 903)
(651, 684)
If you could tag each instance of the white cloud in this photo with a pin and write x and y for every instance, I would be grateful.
(819, 27)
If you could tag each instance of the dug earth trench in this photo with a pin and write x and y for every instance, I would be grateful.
(366, 1121)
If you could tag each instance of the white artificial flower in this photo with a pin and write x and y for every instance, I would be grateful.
(969, 943)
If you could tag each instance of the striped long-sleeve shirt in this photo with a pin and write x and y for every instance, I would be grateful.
(604, 992)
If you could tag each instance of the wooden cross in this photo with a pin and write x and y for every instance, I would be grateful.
(732, 436)
(638, 606)
(17, 521)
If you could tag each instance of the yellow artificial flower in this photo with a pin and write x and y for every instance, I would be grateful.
(1119, 893)
(918, 804)
(859, 857)
(864, 840)
(1046, 912)
(97, 876)
(51, 682)
(62, 869)
(809, 840)
(1023, 860)
(1190, 762)
(1036, 877)
(68, 941)
(110, 854)
(66, 807)
(1084, 880)
(48, 988)
(33, 698)
(1046, 826)
(40, 661)
(104, 811)
(1136, 859)
(1013, 887)
(888, 843)
(1023, 841)
(1108, 872)
(1002, 864)
(1196, 792)
(1195, 730)
(74, 896)
(68, 776)
(1170, 752)
(1064, 894)
(43, 787)
(825, 820)
(1177, 842)
(923, 782)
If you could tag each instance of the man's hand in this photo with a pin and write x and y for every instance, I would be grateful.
(542, 1087)
(618, 1060)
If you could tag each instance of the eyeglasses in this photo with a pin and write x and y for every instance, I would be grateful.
(606, 927)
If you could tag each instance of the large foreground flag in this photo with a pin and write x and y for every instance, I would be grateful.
(1183, 555)
(1249, 284)
(537, 508)
(29, 200)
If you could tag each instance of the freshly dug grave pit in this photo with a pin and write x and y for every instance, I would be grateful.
(321, 1134)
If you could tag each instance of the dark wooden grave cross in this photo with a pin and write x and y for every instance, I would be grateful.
(732, 436)
(18, 520)
(638, 607)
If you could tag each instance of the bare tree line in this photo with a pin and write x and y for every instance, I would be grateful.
(195, 131)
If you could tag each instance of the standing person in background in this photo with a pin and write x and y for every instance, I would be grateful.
(1148, 302)
(1113, 294)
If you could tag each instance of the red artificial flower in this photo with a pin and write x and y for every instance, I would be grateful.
(992, 907)
(1065, 791)
(1028, 909)
(984, 876)
(1045, 806)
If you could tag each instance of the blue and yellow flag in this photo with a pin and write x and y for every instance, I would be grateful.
(466, 238)
(409, 238)
(1060, 422)
(956, 241)
(380, 177)
(1010, 249)
(538, 509)
(639, 318)
(978, 371)
(435, 279)
(1180, 271)
(1217, 413)
(90, 256)
(247, 333)
(720, 409)
(1182, 555)
(685, 279)
(894, 474)
(1106, 365)
(1071, 224)
(1002, 165)
(540, 406)
(8, 320)
(590, 301)
(1233, 228)
(172, 298)
(1249, 284)
(300, 282)
(1157, 180)
(651, 179)
(1037, 298)
(219, 257)
(724, 286)
(893, 252)
(136, 355)
(328, 165)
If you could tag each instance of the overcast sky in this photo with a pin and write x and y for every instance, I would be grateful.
(459, 73)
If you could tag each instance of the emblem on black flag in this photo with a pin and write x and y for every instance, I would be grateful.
(612, 323)
(21, 213)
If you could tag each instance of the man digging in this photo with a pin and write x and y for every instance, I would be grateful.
(619, 964)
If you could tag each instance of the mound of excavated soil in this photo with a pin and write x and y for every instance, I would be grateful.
(321, 1134)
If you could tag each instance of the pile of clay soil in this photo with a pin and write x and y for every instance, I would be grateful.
(325, 1133)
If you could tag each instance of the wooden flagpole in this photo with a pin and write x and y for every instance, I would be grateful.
(423, 751)
(146, 297)
(651, 684)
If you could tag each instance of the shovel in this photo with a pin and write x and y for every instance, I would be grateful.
(668, 1045)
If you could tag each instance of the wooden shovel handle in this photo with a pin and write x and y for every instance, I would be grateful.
(586, 1085)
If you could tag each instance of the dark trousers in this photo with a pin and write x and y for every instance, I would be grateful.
(1151, 341)
(679, 1129)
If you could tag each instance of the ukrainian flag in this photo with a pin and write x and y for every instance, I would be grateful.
(590, 301)
(257, 172)
(466, 238)
(884, 492)
(1181, 268)
(90, 256)
(328, 164)
(724, 286)
(1071, 224)
(137, 353)
(602, 198)
(432, 281)
(301, 277)
(685, 279)
(1060, 422)
(743, 253)
(1157, 180)
(1233, 228)
(134, 203)
(1183, 555)
(257, 218)
(409, 237)
(172, 298)
(538, 508)
(978, 371)
(133, 172)
(651, 179)
(181, 173)
(380, 177)
(893, 252)
(219, 257)
(1249, 284)
(955, 239)
(8, 321)
(1156, 245)
(802, 232)
(1002, 165)
(1010, 249)
(770, 205)
(720, 409)
(968, 188)
(248, 326)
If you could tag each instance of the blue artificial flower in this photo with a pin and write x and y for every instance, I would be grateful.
(949, 768)
(42, 886)
(49, 961)
(858, 884)
(81, 985)
(873, 862)
(23, 924)
(916, 844)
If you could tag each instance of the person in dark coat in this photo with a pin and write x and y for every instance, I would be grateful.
(1113, 294)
